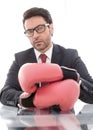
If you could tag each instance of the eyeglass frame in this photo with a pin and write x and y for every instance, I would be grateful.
(30, 34)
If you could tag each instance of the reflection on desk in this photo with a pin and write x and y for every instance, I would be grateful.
(12, 118)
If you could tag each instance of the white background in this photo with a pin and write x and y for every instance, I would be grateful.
(73, 24)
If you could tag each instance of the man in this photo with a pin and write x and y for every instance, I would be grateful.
(38, 26)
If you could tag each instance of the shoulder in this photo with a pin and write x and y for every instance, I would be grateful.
(66, 51)
(24, 56)
(24, 52)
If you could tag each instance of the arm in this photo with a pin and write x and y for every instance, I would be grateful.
(11, 91)
(86, 87)
(86, 93)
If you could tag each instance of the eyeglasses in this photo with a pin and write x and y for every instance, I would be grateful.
(39, 29)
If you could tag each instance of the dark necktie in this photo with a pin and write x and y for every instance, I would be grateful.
(43, 58)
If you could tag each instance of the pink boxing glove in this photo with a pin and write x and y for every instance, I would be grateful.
(63, 93)
(31, 74)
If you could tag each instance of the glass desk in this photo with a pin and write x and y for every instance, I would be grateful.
(12, 118)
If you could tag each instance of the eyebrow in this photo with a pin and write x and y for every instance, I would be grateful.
(37, 26)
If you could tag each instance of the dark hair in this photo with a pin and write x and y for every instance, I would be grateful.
(35, 11)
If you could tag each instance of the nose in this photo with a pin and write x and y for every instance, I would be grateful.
(35, 34)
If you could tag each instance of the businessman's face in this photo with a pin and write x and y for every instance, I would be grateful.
(39, 33)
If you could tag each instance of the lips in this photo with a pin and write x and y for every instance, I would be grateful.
(37, 42)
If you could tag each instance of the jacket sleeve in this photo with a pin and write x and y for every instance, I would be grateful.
(86, 93)
(9, 94)
(86, 87)
(11, 91)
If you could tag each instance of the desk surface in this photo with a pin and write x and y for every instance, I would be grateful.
(12, 118)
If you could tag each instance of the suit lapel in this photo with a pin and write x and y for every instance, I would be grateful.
(31, 56)
(57, 55)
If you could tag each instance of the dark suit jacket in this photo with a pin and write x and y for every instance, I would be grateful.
(62, 56)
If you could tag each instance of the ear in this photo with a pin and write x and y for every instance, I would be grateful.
(51, 29)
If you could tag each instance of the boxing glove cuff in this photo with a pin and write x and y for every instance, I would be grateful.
(70, 73)
(28, 101)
